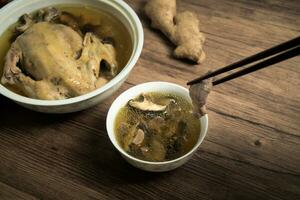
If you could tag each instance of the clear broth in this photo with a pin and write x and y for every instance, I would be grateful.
(131, 117)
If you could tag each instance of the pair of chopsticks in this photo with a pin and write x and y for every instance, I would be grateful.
(284, 51)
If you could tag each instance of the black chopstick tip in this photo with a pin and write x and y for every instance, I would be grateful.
(193, 82)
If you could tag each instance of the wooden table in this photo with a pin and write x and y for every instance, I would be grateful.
(252, 150)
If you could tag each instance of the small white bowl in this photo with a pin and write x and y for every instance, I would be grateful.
(133, 92)
(10, 14)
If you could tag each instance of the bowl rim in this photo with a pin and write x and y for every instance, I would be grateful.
(110, 119)
(138, 43)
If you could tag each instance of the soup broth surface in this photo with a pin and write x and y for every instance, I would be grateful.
(110, 27)
(168, 134)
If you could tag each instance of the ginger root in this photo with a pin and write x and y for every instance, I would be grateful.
(182, 29)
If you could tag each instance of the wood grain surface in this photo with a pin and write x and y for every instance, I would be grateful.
(252, 150)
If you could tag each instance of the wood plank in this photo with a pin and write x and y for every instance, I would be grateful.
(8, 192)
(252, 147)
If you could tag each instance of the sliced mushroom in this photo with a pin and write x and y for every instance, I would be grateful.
(50, 14)
(147, 105)
(47, 14)
(43, 15)
(168, 101)
(26, 21)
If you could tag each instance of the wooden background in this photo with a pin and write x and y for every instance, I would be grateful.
(252, 150)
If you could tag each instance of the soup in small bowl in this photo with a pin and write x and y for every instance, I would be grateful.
(153, 126)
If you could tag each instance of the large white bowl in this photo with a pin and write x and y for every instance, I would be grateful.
(133, 92)
(11, 13)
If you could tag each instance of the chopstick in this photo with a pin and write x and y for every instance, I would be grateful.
(290, 49)
(276, 59)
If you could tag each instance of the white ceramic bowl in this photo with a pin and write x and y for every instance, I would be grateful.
(11, 13)
(133, 92)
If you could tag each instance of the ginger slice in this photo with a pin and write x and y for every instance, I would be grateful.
(182, 29)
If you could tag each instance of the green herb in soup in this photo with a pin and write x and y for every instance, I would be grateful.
(63, 52)
(157, 127)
